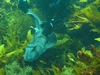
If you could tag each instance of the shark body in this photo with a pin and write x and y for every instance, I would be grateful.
(42, 39)
(40, 43)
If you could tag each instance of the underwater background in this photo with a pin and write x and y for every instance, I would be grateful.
(76, 25)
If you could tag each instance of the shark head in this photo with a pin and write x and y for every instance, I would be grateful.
(35, 48)
(31, 53)
(38, 46)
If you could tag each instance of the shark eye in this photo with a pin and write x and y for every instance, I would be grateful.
(34, 48)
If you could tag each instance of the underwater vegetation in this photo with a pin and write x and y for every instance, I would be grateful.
(77, 52)
(15, 69)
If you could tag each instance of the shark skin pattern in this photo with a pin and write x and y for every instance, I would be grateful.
(40, 43)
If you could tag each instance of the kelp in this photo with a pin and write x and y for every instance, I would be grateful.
(2, 71)
(2, 50)
(14, 36)
(87, 61)
(15, 69)
(80, 65)
(83, 0)
(88, 15)
(62, 38)
(92, 13)
(56, 70)
(92, 63)
(97, 39)
(13, 48)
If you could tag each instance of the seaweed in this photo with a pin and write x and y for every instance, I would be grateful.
(13, 32)
(2, 71)
(15, 69)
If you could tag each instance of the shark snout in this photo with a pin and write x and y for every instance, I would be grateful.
(31, 54)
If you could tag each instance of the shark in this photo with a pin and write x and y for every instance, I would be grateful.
(41, 41)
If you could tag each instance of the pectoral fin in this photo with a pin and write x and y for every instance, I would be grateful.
(51, 41)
